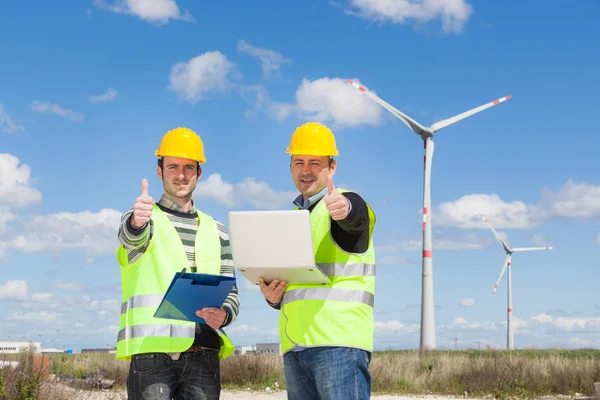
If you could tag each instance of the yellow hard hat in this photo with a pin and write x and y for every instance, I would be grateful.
(314, 139)
(182, 142)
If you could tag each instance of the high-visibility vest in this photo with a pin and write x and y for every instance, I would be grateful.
(145, 282)
(339, 313)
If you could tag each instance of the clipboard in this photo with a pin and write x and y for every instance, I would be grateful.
(189, 292)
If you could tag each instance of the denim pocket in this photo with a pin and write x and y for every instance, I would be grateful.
(144, 363)
(368, 357)
(213, 362)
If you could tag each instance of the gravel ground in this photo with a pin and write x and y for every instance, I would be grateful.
(67, 392)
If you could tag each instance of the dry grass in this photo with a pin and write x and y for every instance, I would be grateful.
(480, 373)
(528, 373)
(252, 371)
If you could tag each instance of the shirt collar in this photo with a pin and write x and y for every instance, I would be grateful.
(305, 205)
(165, 202)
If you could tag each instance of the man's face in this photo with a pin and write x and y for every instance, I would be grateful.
(310, 173)
(179, 176)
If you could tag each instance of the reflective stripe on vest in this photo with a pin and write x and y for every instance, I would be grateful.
(339, 313)
(330, 294)
(144, 285)
(142, 300)
(340, 269)
(137, 331)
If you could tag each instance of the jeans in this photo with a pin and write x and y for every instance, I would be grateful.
(156, 376)
(328, 373)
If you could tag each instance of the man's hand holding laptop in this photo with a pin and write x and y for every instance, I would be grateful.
(273, 292)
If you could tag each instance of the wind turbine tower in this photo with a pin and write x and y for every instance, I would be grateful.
(510, 337)
(426, 133)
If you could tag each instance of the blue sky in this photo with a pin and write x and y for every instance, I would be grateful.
(88, 88)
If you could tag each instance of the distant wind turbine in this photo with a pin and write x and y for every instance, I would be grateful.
(426, 133)
(510, 339)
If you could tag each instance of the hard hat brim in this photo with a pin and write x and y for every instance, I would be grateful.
(179, 155)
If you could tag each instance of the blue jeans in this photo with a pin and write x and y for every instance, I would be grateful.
(328, 373)
(155, 376)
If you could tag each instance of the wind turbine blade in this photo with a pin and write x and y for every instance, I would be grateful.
(502, 242)
(532, 248)
(411, 123)
(444, 123)
(506, 263)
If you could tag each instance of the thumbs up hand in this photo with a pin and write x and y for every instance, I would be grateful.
(336, 203)
(142, 209)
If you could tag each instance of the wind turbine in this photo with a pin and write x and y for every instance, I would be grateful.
(426, 133)
(510, 339)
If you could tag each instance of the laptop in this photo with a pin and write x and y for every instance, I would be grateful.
(274, 244)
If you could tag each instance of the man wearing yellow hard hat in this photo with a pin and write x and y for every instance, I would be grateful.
(326, 331)
(172, 358)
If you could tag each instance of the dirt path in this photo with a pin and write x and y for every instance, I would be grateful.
(59, 391)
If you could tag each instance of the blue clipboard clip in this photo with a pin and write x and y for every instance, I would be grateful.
(189, 292)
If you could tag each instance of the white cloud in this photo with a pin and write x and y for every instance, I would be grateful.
(464, 213)
(5, 217)
(540, 240)
(543, 317)
(13, 290)
(281, 111)
(463, 323)
(467, 302)
(72, 287)
(330, 100)
(581, 342)
(394, 327)
(245, 329)
(573, 200)
(210, 72)
(94, 233)
(261, 99)
(155, 11)
(15, 185)
(109, 95)
(270, 60)
(570, 324)
(395, 260)
(440, 241)
(452, 13)
(460, 242)
(7, 124)
(490, 326)
(37, 317)
(249, 191)
(53, 108)
(41, 297)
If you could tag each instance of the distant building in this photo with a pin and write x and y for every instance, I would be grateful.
(51, 350)
(107, 350)
(16, 346)
(268, 348)
(241, 350)
(259, 348)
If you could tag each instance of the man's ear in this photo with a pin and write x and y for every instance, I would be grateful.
(199, 173)
(333, 167)
(159, 172)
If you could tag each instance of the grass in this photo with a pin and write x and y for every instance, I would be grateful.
(501, 374)
(527, 373)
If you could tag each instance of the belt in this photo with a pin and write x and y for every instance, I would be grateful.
(196, 348)
(192, 349)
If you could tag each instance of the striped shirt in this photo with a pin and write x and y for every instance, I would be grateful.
(186, 224)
